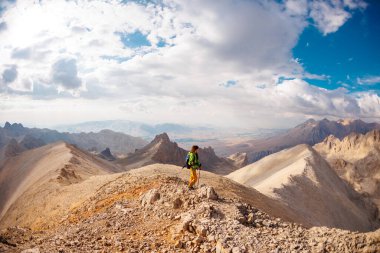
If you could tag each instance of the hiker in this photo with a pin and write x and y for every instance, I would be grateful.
(193, 164)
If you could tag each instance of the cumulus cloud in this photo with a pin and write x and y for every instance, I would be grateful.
(3, 26)
(64, 72)
(10, 74)
(314, 101)
(196, 49)
(330, 15)
(21, 53)
(369, 80)
(355, 4)
(297, 7)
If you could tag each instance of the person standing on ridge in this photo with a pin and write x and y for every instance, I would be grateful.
(193, 164)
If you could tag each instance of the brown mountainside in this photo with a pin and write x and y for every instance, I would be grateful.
(302, 180)
(40, 175)
(356, 159)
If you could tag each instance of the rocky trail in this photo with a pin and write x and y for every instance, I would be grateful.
(158, 213)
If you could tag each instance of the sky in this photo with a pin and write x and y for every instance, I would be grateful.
(225, 63)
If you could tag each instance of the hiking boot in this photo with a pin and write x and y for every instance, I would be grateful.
(191, 188)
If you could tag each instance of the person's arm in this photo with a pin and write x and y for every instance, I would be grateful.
(198, 163)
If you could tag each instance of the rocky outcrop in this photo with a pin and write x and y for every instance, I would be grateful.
(356, 159)
(240, 159)
(107, 155)
(15, 129)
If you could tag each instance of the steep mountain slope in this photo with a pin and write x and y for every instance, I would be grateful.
(12, 148)
(310, 132)
(33, 137)
(356, 159)
(150, 210)
(239, 159)
(162, 150)
(62, 177)
(45, 174)
(301, 179)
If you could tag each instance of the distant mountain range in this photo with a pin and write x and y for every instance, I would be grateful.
(29, 138)
(147, 131)
(310, 132)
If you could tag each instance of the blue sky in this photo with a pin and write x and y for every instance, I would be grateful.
(346, 56)
(228, 63)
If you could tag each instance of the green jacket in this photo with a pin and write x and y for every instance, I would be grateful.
(194, 161)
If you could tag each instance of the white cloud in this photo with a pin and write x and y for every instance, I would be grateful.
(315, 101)
(369, 104)
(355, 4)
(297, 7)
(10, 74)
(3, 26)
(330, 15)
(284, 104)
(78, 54)
(64, 72)
(369, 80)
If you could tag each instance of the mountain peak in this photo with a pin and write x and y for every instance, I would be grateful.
(14, 126)
(107, 155)
(307, 123)
(346, 122)
(209, 150)
(164, 137)
(7, 125)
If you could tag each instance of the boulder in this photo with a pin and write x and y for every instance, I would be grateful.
(208, 192)
(150, 197)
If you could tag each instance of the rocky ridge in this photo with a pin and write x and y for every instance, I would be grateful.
(310, 132)
(356, 159)
(158, 214)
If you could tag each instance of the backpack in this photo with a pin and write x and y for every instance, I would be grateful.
(187, 165)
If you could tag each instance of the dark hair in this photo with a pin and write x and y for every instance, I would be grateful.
(193, 148)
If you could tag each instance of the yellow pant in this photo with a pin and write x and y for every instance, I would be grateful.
(193, 177)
